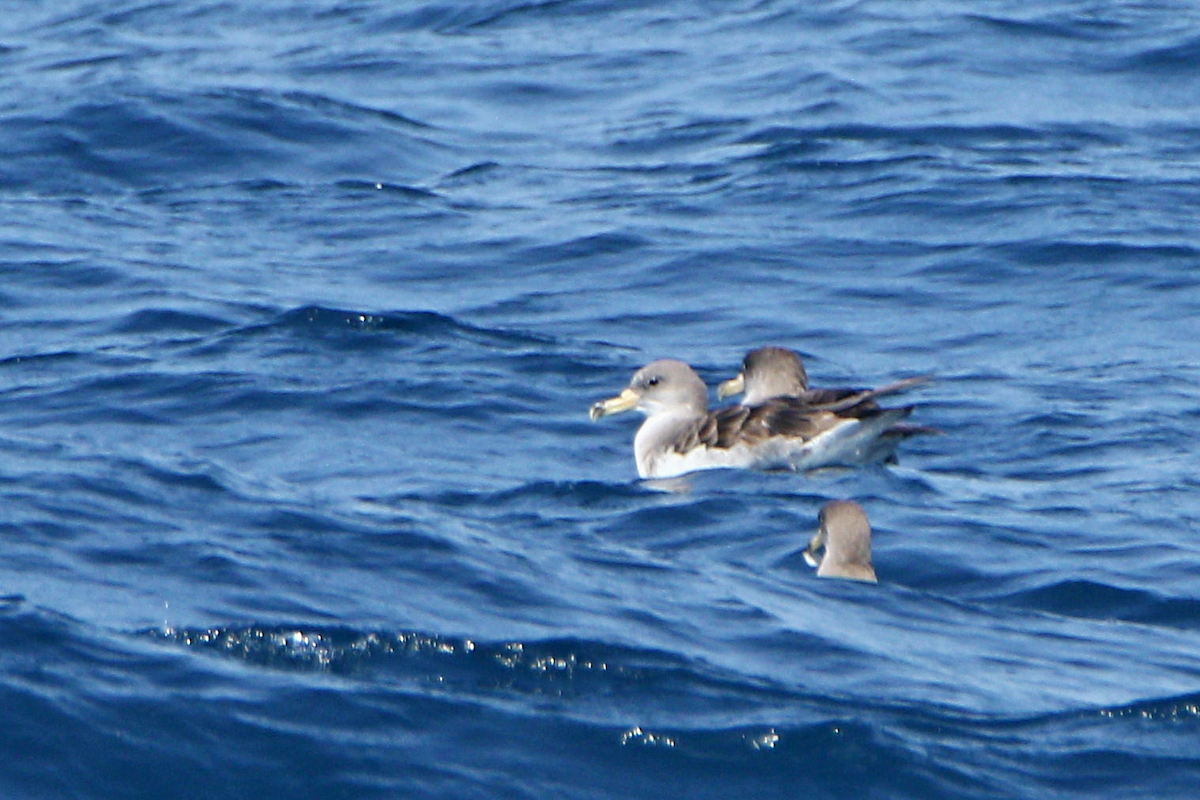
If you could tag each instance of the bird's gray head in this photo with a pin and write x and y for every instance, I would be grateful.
(767, 372)
(663, 385)
(845, 535)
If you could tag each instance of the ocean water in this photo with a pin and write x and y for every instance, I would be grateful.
(303, 304)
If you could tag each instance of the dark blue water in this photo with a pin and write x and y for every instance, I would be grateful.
(303, 304)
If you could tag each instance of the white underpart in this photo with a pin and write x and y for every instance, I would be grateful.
(851, 443)
(653, 438)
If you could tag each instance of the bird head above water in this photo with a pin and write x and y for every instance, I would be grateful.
(661, 386)
(767, 372)
(845, 536)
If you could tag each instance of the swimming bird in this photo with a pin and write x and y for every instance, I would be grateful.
(777, 374)
(767, 372)
(772, 372)
(845, 536)
(681, 435)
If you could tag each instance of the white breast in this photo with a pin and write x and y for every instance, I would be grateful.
(849, 443)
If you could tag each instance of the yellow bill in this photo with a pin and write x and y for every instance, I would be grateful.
(732, 386)
(614, 405)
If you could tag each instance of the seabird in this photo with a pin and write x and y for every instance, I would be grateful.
(845, 536)
(777, 374)
(774, 372)
(767, 373)
(681, 435)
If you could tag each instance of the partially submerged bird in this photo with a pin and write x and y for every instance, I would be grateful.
(681, 435)
(845, 536)
(767, 373)
(776, 372)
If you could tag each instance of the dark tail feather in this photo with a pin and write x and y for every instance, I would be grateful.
(884, 450)
(904, 430)
(856, 398)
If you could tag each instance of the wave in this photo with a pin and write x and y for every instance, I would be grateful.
(655, 705)
(159, 321)
(202, 137)
(1077, 597)
(418, 322)
(1177, 60)
(409, 697)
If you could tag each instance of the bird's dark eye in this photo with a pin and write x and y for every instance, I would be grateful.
(653, 381)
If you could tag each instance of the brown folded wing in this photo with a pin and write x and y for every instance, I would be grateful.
(839, 399)
(785, 416)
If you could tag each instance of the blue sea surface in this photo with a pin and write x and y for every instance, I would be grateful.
(303, 305)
